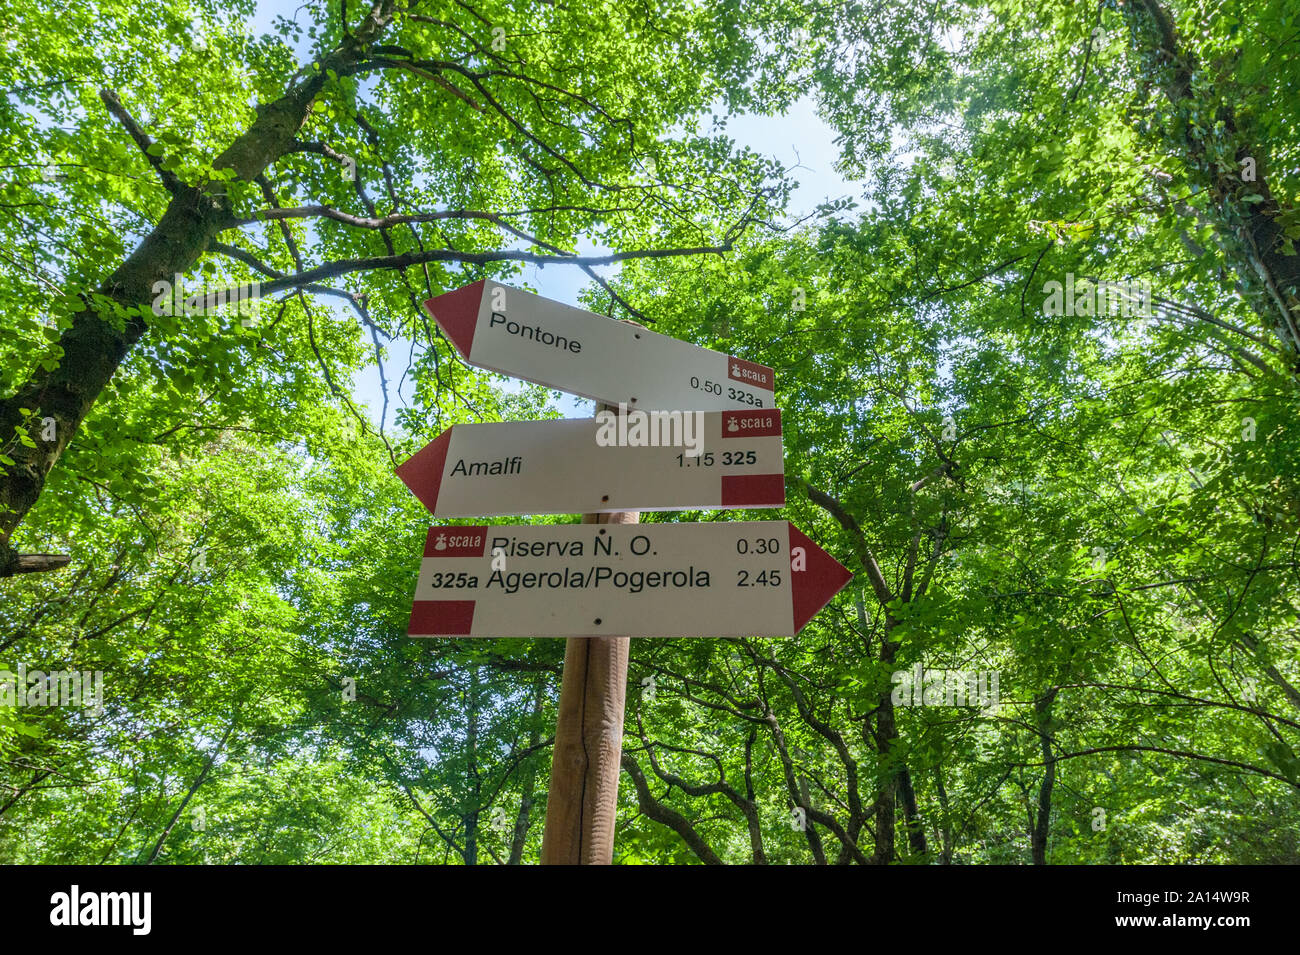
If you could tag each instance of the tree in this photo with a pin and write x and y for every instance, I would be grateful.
(1025, 396)
(479, 131)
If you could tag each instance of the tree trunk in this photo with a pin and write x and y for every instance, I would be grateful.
(1251, 230)
(93, 347)
(945, 855)
(911, 813)
(470, 818)
(1043, 818)
(520, 836)
(194, 787)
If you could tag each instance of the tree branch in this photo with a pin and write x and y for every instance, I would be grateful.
(346, 266)
(114, 104)
(860, 545)
(666, 815)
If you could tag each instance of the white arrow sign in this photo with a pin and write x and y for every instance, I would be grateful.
(538, 339)
(742, 578)
(653, 461)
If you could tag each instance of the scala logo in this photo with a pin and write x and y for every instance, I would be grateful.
(455, 542)
(750, 373)
(750, 424)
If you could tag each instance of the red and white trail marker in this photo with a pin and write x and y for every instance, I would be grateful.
(742, 578)
(562, 467)
(527, 336)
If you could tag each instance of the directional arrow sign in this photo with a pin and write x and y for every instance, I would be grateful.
(699, 459)
(524, 335)
(742, 578)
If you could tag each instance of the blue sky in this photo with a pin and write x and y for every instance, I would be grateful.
(798, 137)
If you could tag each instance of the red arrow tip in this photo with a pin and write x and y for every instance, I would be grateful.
(821, 578)
(457, 313)
(422, 471)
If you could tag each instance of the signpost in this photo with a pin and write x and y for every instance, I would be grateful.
(527, 336)
(728, 459)
(583, 793)
(735, 578)
(695, 429)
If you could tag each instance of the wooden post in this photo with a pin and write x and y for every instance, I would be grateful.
(583, 800)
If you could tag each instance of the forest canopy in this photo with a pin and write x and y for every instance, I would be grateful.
(1038, 379)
